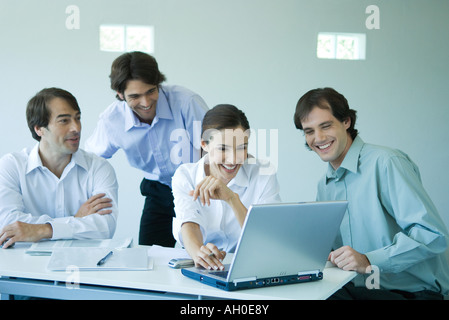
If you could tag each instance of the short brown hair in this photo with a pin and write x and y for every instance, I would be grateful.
(325, 98)
(224, 116)
(134, 66)
(37, 112)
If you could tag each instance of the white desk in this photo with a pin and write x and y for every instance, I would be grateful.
(22, 274)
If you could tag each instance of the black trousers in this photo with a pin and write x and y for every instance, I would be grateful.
(351, 292)
(157, 215)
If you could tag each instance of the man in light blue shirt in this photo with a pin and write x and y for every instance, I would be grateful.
(158, 127)
(391, 227)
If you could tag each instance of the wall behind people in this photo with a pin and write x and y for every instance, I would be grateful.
(259, 55)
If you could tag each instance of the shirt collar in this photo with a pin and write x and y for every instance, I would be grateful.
(131, 119)
(80, 160)
(241, 179)
(350, 162)
(34, 160)
(163, 111)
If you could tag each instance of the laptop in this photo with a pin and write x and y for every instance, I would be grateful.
(281, 243)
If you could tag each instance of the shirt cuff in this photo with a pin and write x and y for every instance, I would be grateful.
(380, 259)
(61, 230)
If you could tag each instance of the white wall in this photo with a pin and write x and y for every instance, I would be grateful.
(257, 54)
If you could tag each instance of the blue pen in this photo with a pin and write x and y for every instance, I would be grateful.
(103, 260)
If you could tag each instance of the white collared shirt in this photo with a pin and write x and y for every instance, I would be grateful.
(31, 193)
(217, 222)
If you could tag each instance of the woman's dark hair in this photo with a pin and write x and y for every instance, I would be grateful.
(37, 112)
(224, 116)
(325, 98)
(134, 66)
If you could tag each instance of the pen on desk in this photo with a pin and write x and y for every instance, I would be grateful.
(103, 260)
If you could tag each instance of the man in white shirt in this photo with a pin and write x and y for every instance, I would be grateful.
(56, 190)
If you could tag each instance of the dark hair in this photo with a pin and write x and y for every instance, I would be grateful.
(134, 66)
(224, 116)
(325, 98)
(37, 112)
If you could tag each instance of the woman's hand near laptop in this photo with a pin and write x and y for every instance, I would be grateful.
(208, 256)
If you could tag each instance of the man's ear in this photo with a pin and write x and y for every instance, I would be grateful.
(39, 130)
(120, 96)
(347, 123)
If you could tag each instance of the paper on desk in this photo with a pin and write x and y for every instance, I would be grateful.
(46, 247)
(165, 254)
(87, 259)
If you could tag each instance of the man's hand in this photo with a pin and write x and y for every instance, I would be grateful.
(21, 231)
(348, 259)
(95, 204)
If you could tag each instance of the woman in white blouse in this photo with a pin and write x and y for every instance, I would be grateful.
(212, 196)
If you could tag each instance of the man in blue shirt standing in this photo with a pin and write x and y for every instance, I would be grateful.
(391, 225)
(158, 127)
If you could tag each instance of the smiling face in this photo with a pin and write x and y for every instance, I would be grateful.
(228, 150)
(327, 136)
(142, 99)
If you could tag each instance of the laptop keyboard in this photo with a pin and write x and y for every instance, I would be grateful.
(222, 274)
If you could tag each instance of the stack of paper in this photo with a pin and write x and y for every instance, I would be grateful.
(83, 258)
(45, 248)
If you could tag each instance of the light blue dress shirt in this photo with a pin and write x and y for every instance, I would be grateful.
(173, 138)
(390, 217)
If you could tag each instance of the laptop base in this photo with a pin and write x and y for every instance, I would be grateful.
(206, 277)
